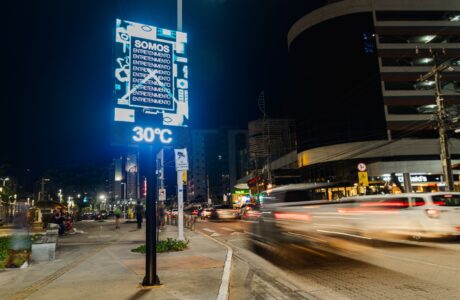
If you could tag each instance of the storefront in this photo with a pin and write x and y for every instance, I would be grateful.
(240, 197)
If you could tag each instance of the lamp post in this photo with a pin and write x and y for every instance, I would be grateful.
(42, 192)
(4, 180)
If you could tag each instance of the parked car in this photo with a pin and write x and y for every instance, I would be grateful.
(87, 216)
(104, 214)
(224, 212)
(98, 216)
(172, 212)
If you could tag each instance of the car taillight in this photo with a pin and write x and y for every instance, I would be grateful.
(433, 213)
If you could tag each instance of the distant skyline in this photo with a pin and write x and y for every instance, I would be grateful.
(57, 107)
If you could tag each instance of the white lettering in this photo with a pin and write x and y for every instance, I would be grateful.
(147, 134)
(152, 46)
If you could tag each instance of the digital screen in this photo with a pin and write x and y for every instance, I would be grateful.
(151, 83)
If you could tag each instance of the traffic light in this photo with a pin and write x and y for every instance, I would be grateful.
(85, 199)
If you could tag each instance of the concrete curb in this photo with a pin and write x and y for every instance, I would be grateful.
(225, 284)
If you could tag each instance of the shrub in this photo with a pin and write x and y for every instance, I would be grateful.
(14, 250)
(168, 245)
(4, 246)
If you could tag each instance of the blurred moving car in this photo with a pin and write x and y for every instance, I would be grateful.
(224, 212)
(301, 213)
(416, 215)
(250, 212)
(206, 212)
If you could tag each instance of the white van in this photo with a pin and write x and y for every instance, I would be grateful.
(408, 214)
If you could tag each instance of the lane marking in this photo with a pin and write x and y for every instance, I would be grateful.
(99, 236)
(215, 234)
(228, 229)
(236, 233)
(208, 230)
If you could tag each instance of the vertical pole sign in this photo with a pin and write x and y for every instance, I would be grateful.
(181, 166)
(150, 105)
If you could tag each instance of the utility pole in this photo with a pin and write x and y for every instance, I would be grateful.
(441, 117)
(207, 191)
(42, 191)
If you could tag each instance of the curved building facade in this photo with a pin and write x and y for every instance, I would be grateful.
(356, 64)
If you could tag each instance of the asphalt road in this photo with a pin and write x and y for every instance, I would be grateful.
(348, 269)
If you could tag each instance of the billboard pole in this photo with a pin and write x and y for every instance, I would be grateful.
(151, 278)
(181, 160)
(179, 15)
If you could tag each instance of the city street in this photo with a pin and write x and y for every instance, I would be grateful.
(421, 270)
(97, 263)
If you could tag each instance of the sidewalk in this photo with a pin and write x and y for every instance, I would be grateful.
(111, 271)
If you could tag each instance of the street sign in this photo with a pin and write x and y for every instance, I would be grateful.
(363, 179)
(151, 84)
(362, 167)
(181, 159)
(162, 194)
(184, 177)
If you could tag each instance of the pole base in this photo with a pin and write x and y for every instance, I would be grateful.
(146, 283)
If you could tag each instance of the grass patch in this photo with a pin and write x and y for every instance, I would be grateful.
(168, 245)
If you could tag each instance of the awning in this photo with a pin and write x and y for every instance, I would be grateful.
(242, 186)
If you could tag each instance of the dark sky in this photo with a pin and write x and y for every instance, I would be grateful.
(58, 69)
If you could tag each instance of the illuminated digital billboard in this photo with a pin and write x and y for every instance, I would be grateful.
(151, 84)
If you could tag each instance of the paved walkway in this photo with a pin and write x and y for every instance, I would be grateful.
(98, 264)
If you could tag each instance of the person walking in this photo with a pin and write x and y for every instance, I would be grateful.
(117, 217)
(139, 214)
(161, 215)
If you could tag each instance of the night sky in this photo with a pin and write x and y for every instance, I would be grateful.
(58, 70)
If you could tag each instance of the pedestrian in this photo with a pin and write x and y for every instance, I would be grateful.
(139, 214)
(117, 217)
(161, 215)
(59, 220)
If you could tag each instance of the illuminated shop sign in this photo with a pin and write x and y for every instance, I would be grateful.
(415, 178)
(151, 84)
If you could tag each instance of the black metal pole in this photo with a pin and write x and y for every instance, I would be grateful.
(151, 277)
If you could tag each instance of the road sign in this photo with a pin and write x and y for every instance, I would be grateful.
(184, 177)
(181, 159)
(363, 179)
(362, 167)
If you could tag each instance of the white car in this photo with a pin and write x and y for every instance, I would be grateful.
(409, 214)
(300, 213)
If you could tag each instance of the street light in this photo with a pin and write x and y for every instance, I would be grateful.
(42, 192)
(4, 179)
